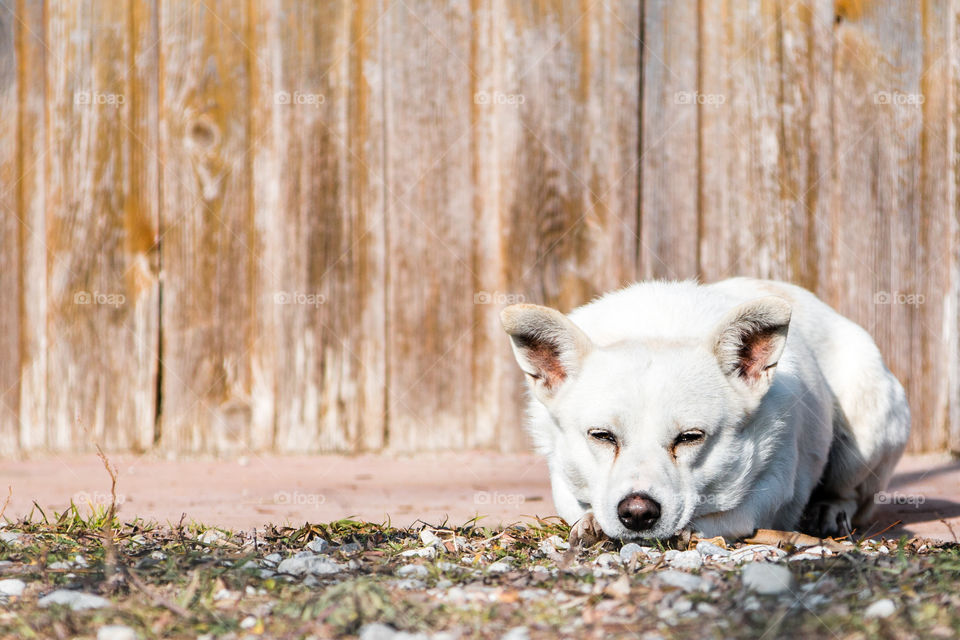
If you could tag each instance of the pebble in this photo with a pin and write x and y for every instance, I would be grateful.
(212, 536)
(76, 600)
(12, 587)
(670, 554)
(558, 543)
(608, 559)
(273, 558)
(429, 538)
(248, 623)
(752, 552)
(318, 545)
(412, 571)
(687, 560)
(767, 579)
(517, 633)
(116, 632)
(681, 580)
(424, 552)
(9, 537)
(706, 549)
(316, 565)
(501, 566)
(380, 631)
(629, 550)
(881, 609)
(349, 547)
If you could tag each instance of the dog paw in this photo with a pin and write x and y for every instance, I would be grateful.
(828, 518)
(586, 532)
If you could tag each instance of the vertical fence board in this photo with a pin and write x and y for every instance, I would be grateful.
(429, 236)
(874, 228)
(10, 256)
(102, 318)
(207, 234)
(741, 229)
(32, 208)
(318, 203)
(952, 297)
(669, 172)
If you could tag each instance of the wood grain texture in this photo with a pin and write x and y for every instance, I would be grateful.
(31, 203)
(430, 323)
(10, 249)
(669, 141)
(102, 296)
(319, 370)
(207, 233)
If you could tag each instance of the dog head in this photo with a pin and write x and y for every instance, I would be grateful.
(650, 432)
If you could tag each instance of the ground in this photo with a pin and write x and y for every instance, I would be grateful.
(154, 570)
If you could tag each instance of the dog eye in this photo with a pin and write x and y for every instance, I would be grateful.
(603, 435)
(690, 437)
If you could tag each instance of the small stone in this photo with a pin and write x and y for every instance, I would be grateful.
(881, 609)
(59, 566)
(558, 543)
(629, 550)
(316, 565)
(273, 558)
(682, 605)
(687, 560)
(670, 554)
(752, 552)
(706, 549)
(500, 566)
(318, 545)
(12, 587)
(444, 584)
(212, 536)
(444, 565)
(424, 552)
(349, 547)
(116, 632)
(517, 633)
(681, 580)
(248, 623)
(607, 559)
(377, 631)
(412, 571)
(619, 588)
(429, 538)
(9, 537)
(883, 549)
(767, 579)
(76, 600)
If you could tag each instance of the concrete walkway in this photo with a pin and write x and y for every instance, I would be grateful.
(924, 495)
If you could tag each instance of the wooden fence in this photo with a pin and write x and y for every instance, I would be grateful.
(275, 224)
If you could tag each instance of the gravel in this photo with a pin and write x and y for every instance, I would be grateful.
(76, 600)
(767, 579)
(300, 565)
(12, 587)
(881, 609)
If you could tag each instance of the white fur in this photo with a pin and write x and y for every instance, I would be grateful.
(650, 369)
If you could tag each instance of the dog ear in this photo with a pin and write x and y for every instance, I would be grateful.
(749, 342)
(548, 347)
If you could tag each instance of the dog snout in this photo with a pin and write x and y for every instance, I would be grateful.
(638, 511)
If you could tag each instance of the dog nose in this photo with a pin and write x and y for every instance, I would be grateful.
(638, 511)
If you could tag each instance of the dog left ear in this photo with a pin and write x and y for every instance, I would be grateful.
(749, 342)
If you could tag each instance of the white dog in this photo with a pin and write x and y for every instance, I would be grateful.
(671, 406)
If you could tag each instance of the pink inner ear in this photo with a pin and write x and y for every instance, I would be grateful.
(545, 359)
(755, 353)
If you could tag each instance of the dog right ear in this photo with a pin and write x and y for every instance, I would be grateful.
(548, 347)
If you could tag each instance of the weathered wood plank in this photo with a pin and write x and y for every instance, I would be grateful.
(208, 239)
(429, 236)
(318, 197)
(10, 256)
(952, 298)
(669, 168)
(102, 316)
(556, 167)
(876, 251)
(31, 203)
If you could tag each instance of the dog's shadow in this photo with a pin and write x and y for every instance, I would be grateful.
(904, 503)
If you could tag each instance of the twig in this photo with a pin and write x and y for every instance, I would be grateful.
(5, 504)
(109, 545)
(157, 599)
